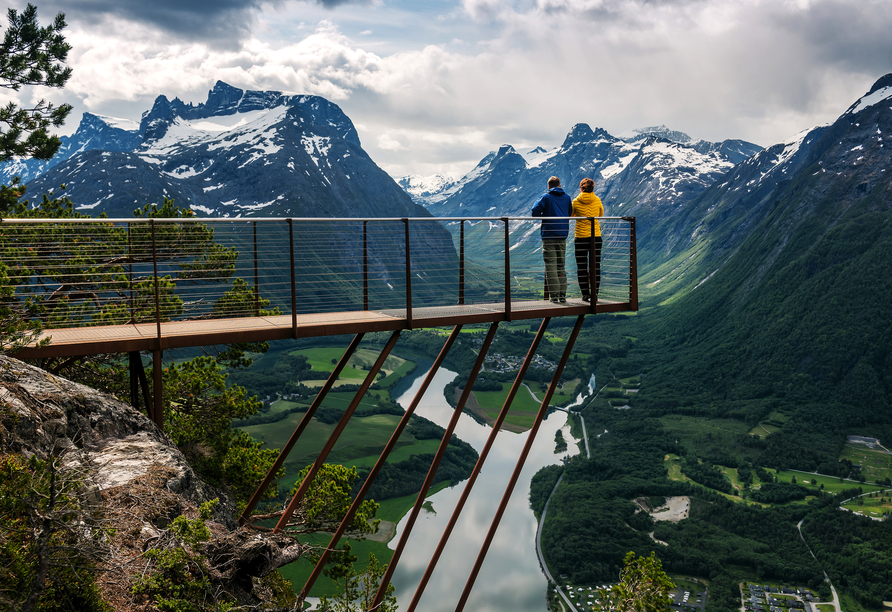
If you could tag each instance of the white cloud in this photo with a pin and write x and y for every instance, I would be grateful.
(518, 72)
(388, 143)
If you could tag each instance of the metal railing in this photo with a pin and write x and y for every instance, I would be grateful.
(87, 272)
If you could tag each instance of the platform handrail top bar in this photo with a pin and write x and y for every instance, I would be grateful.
(20, 221)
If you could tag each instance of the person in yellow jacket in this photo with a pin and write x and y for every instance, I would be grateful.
(588, 264)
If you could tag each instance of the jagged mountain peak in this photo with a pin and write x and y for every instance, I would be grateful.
(659, 131)
(224, 100)
(583, 133)
(881, 90)
(504, 150)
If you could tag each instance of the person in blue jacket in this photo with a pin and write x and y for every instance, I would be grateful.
(555, 203)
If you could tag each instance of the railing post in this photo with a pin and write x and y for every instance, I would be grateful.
(130, 276)
(293, 278)
(365, 265)
(256, 276)
(507, 270)
(633, 265)
(461, 263)
(593, 294)
(157, 290)
(408, 277)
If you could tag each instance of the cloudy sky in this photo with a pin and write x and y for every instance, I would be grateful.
(434, 85)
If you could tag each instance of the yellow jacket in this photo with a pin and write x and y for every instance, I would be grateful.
(587, 205)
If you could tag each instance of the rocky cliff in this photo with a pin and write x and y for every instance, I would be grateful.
(132, 484)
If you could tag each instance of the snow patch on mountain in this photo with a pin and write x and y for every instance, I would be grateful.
(614, 169)
(120, 124)
(539, 156)
(870, 99)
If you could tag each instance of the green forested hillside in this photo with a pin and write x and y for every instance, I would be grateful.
(767, 301)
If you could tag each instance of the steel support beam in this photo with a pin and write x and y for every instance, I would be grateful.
(540, 416)
(363, 491)
(478, 466)
(333, 438)
(298, 431)
(435, 464)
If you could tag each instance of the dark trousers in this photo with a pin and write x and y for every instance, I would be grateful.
(588, 266)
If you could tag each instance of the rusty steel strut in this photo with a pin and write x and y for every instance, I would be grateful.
(435, 464)
(298, 431)
(363, 491)
(520, 461)
(333, 438)
(479, 465)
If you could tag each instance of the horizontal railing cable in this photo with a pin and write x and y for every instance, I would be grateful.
(87, 272)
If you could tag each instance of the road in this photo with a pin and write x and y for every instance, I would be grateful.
(539, 549)
(835, 601)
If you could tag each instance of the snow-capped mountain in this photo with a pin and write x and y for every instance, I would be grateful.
(735, 150)
(241, 153)
(94, 132)
(650, 177)
(421, 188)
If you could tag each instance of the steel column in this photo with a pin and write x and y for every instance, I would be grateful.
(157, 290)
(363, 491)
(633, 265)
(130, 279)
(298, 431)
(365, 265)
(293, 278)
(408, 278)
(333, 438)
(461, 263)
(479, 465)
(256, 276)
(435, 464)
(543, 408)
(507, 270)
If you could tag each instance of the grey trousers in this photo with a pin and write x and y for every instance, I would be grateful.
(554, 252)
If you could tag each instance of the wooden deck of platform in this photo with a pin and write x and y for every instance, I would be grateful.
(204, 332)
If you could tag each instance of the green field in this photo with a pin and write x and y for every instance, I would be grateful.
(359, 445)
(876, 507)
(357, 366)
(875, 463)
(524, 407)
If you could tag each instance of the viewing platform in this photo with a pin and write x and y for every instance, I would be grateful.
(128, 286)
(125, 285)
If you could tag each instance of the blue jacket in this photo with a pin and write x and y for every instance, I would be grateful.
(555, 203)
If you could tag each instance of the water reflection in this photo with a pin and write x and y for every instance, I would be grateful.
(510, 578)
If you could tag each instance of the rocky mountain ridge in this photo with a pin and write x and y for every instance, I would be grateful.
(241, 153)
(650, 175)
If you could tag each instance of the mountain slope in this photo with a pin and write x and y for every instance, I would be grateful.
(241, 153)
(251, 154)
(784, 298)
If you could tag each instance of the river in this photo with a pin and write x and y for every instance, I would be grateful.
(510, 578)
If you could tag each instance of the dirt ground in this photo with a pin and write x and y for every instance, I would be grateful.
(385, 533)
(675, 509)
